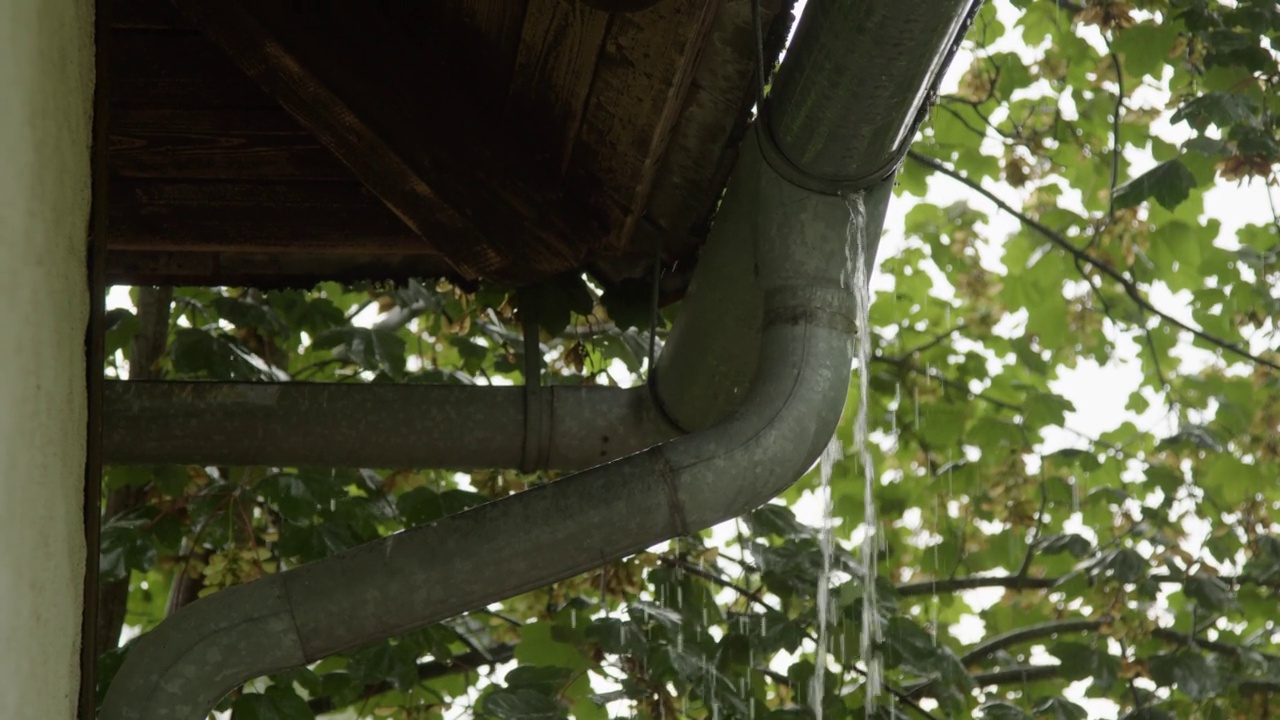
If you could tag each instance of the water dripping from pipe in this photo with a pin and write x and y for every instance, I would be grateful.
(855, 278)
(831, 454)
(872, 632)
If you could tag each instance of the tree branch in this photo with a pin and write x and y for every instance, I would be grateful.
(951, 585)
(904, 362)
(1006, 676)
(715, 579)
(147, 347)
(1260, 687)
(1115, 137)
(1179, 638)
(1031, 632)
(934, 342)
(1035, 534)
(1028, 673)
(1131, 289)
(1014, 582)
(1020, 674)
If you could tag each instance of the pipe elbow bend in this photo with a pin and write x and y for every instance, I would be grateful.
(184, 666)
(791, 415)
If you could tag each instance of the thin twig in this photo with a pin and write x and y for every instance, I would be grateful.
(1013, 582)
(960, 119)
(1035, 533)
(1131, 289)
(1021, 674)
(1115, 138)
(951, 585)
(716, 579)
(936, 341)
(1021, 635)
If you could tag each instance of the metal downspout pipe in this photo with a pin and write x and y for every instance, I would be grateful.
(801, 337)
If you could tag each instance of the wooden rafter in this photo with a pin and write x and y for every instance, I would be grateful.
(643, 74)
(543, 133)
(559, 44)
(409, 133)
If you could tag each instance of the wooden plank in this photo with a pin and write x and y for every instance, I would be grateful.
(643, 74)
(217, 143)
(482, 35)
(286, 217)
(145, 15)
(705, 139)
(267, 270)
(177, 70)
(406, 132)
(559, 44)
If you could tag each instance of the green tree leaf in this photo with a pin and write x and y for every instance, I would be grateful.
(521, 704)
(1209, 593)
(1169, 183)
(1059, 709)
(1001, 710)
(1187, 670)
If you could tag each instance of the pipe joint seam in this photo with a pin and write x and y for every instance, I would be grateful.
(838, 322)
(674, 504)
(823, 306)
(793, 174)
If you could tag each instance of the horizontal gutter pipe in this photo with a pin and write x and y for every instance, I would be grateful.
(455, 427)
(803, 334)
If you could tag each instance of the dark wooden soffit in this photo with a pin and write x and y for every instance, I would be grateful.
(405, 129)
(509, 140)
(702, 145)
(212, 182)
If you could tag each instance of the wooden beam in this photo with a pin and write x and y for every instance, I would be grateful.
(144, 15)
(277, 216)
(559, 44)
(704, 142)
(217, 144)
(178, 69)
(267, 269)
(643, 74)
(406, 131)
(482, 35)
(702, 146)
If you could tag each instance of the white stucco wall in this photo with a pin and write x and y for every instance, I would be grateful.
(46, 80)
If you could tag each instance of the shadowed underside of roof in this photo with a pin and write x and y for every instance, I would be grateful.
(282, 143)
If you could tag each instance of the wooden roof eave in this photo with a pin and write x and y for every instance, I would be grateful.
(614, 133)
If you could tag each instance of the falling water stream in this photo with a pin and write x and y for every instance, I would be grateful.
(871, 631)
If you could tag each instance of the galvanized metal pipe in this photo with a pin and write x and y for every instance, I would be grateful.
(846, 100)
(457, 427)
(852, 88)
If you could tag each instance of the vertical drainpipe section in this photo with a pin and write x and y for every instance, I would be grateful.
(798, 329)
(844, 106)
